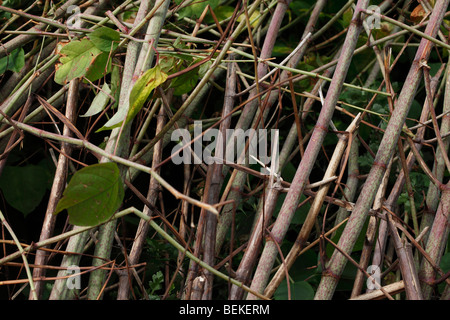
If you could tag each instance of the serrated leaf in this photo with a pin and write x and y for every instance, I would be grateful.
(93, 194)
(151, 79)
(76, 59)
(100, 101)
(13, 62)
(155, 283)
(105, 39)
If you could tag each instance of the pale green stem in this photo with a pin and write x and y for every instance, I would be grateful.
(183, 250)
(21, 40)
(411, 29)
(307, 73)
(22, 253)
(118, 215)
(118, 143)
(199, 86)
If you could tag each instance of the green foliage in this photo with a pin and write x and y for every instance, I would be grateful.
(300, 213)
(419, 183)
(24, 187)
(15, 3)
(300, 290)
(100, 67)
(185, 82)
(445, 263)
(414, 113)
(221, 12)
(93, 194)
(299, 7)
(89, 58)
(305, 266)
(195, 8)
(104, 38)
(346, 18)
(115, 83)
(76, 59)
(151, 79)
(158, 252)
(13, 62)
(100, 101)
(358, 244)
(155, 284)
(445, 266)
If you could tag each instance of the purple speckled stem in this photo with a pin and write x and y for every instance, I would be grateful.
(212, 191)
(247, 115)
(433, 193)
(355, 223)
(397, 189)
(266, 53)
(436, 243)
(266, 209)
(301, 176)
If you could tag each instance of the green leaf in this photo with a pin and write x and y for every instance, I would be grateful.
(155, 283)
(100, 101)
(105, 39)
(445, 262)
(167, 62)
(203, 68)
(304, 267)
(151, 79)
(115, 83)
(346, 17)
(195, 8)
(100, 67)
(359, 241)
(300, 290)
(22, 187)
(93, 194)
(76, 59)
(13, 62)
(299, 7)
(185, 82)
(300, 214)
(414, 113)
(221, 12)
